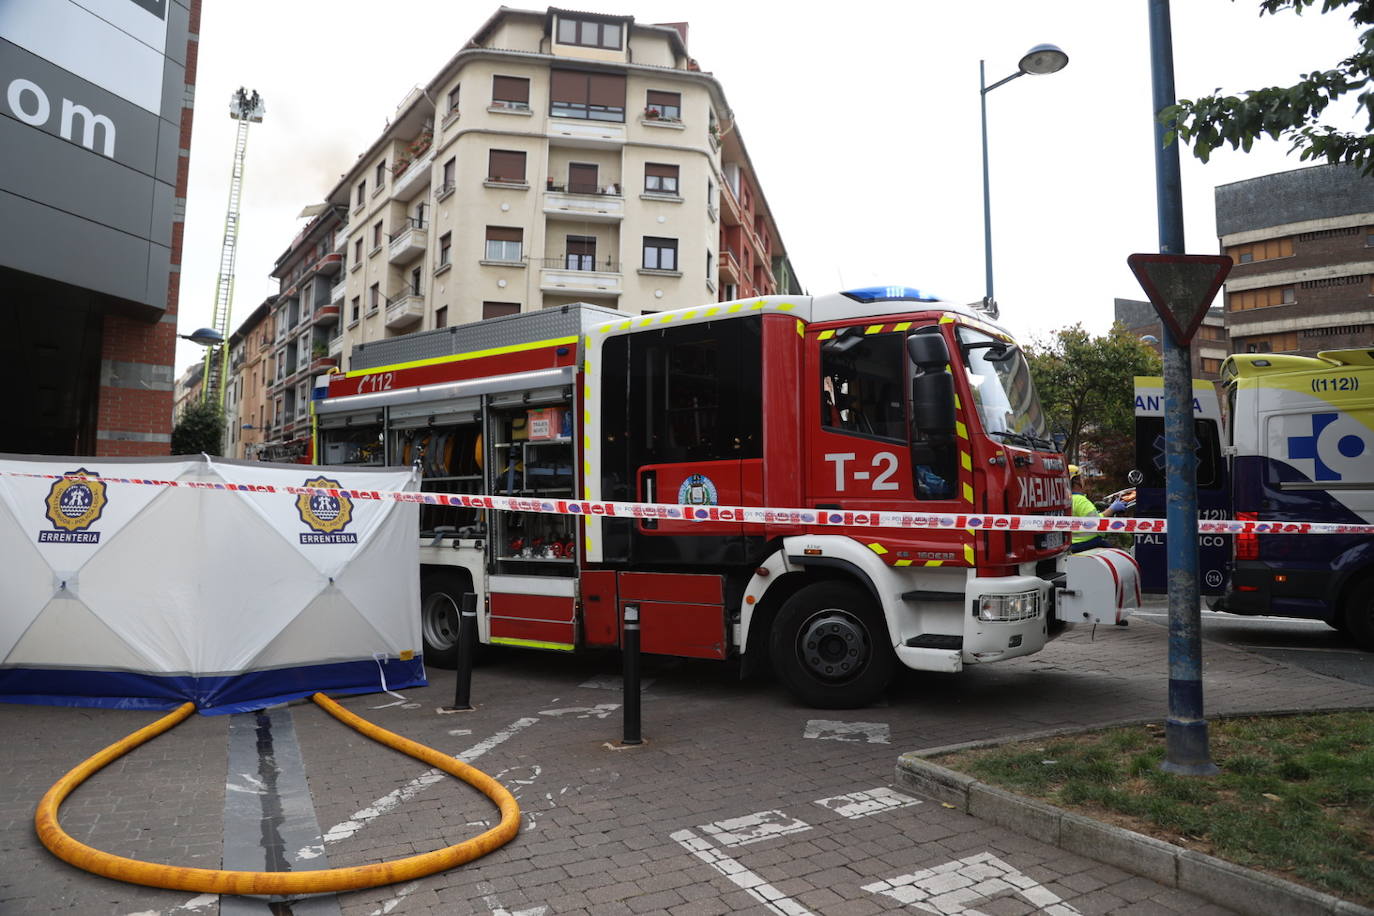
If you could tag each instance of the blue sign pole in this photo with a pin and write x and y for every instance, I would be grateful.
(1185, 729)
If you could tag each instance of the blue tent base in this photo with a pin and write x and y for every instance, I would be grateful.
(213, 696)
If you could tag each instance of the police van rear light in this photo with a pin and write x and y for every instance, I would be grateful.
(1247, 545)
(1004, 608)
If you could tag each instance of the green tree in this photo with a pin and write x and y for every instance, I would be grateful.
(1087, 391)
(1292, 112)
(200, 429)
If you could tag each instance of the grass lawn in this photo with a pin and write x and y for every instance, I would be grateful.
(1295, 796)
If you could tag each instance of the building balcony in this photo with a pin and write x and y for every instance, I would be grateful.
(323, 363)
(730, 270)
(586, 134)
(409, 243)
(730, 210)
(574, 275)
(415, 177)
(330, 264)
(404, 311)
(326, 315)
(336, 346)
(590, 205)
(336, 292)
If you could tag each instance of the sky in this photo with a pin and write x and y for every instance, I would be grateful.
(862, 122)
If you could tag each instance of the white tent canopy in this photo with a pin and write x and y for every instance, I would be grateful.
(119, 589)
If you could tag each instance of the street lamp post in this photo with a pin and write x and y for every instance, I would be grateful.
(1039, 59)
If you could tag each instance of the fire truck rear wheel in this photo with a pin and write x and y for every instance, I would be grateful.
(441, 596)
(830, 646)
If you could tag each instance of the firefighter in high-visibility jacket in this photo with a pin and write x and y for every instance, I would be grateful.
(1083, 506)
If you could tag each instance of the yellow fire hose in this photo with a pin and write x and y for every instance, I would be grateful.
(211, 881)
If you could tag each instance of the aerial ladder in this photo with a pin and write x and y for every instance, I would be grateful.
(246, 107)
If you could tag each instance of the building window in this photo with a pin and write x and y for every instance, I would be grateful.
(594, 96)
(445, 248)
(374, 298)
(589, 34)
(503, 243)
(377, 234)
(1262, 251)
(441, 317)
(358, 250)
(1211, 366)
(362, 192)
(1260, 298)
(663, 106)
(357, 305)
(582, 178)
(580, 252)
(379, 174)
(453, 100)
(660, 254)
(415, 289)
(659, 178)
(499, 309)
(506, 165)
(510, 92)
(450, 173)
(1271, 343)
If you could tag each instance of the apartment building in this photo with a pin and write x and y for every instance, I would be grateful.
(1303, 246)
(247, 396)
(558, 157)
(1209, 345)
(303, 340)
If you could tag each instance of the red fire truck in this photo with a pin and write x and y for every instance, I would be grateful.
(866, 401)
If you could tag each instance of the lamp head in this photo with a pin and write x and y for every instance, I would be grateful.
(1044, 59)
(206, 337)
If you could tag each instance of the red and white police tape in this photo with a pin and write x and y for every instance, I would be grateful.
(751, 515)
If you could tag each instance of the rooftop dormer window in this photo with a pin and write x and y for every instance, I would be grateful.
(589, 33)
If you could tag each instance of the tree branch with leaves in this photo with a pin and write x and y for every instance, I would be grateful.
(1290, 112)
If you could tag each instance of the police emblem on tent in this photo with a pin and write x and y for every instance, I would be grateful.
(74, 504)
(327, 514)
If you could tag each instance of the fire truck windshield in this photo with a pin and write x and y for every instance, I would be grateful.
(1003, 390)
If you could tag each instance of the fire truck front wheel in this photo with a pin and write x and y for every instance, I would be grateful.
(441, 597)
(830, 648)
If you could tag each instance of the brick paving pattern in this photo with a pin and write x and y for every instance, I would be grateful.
(635, 831)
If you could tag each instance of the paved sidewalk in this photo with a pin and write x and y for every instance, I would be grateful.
(740, 801)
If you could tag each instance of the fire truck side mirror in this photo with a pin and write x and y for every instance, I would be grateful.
(932, 402)
(928, 351)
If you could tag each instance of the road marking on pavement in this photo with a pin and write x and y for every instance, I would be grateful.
(599, 711)
(393, 800)
(394, 902)
(194, 905)
(494, 903)
(954, 888)
(751, 828)
(830, 730)
(760, 890)
(607, 682)
(862, 804)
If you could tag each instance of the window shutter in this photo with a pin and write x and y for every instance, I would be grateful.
(510, 89)
(658, 170)
(664, 98)
(568, 86)
(504, 233)
(506, 164)
(606, 89)
(581, 244)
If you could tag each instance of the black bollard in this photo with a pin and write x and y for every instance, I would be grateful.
(467, 641)
(630, 648)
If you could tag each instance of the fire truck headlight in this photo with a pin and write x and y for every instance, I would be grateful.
(1002, 608)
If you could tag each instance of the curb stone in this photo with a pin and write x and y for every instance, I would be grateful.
(1244, 890)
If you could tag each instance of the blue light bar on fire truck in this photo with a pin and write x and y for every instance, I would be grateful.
(888, 294)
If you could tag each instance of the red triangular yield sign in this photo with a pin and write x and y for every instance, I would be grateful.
(1181, 287)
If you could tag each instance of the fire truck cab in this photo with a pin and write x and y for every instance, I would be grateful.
(841, 406)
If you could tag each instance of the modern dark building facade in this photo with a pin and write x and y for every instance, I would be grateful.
(1303, 246)
(95, 124)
